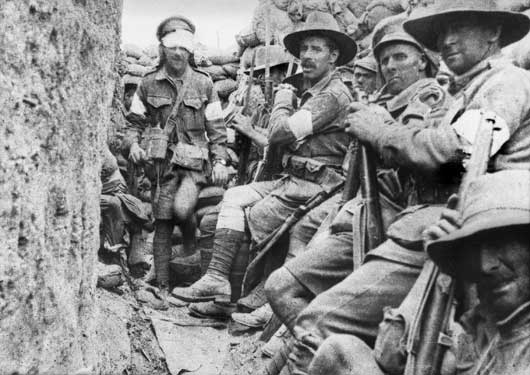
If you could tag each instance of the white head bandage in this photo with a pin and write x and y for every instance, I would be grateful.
(179, 38)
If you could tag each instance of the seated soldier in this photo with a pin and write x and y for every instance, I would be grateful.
(329, 259)
(120, 211)
(317, 145)
(362, 80)
(470, 42)
(487, 244)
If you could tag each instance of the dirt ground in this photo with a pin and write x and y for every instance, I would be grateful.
(136, 340)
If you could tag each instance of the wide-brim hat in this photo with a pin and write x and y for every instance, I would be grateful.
(390, 30)
(322, 24)
(277, 56)
(493, 202)
(424, 23)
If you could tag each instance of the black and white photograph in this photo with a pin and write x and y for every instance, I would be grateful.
(265, 187)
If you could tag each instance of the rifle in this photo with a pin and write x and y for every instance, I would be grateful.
(263, 247)
(429, 335)
(269, 165)
(370, 192)
(244, 141)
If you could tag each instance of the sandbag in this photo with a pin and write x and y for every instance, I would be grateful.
(151, 51)
(246, 58)
(201, 60)
(395, 6)
(131, 80)
(137, 70)
(131, 60)
(280, 22)
(210, 196)
(312, 5)
(231, 70)
(247, 37)
(146, 61)
(281, 4)
(216, 72)
(132, 50)
(225, 87)
(345, 18)
(295, 11)
(221, 57)
(358, 7)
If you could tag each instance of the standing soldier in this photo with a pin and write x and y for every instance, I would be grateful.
(314, 135)
(469, 35)
(183, 137)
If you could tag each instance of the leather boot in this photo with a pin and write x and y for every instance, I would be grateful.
(214, 285)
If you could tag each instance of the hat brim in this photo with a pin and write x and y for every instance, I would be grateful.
(447, 251)
(261, 68)
(426, 29)
(346, 45)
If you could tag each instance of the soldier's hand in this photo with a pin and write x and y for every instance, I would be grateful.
(449, 221)
(363, 120)
(136, 154)
(219, 174)
(241, 123)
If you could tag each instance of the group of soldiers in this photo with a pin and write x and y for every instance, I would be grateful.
(349, 285)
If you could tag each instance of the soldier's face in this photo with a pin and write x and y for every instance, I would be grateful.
(316, 58)
(401, 65)
(365, 79)
(176, 57)
(503, 278)
(463, 43)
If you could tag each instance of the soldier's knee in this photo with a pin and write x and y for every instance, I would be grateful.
(182, 213)
(344, 354)
(233, 195)
(279, 287)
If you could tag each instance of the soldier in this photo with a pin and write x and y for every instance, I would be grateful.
(254, 125)
(317, 145)
(469, 37)
(182, 101)
(365, 74)
(487, 244)
(329, 259)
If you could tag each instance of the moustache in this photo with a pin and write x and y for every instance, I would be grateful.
(307, 64)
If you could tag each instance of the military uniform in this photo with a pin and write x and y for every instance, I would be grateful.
(316, 144)
(198, 123)
(493, 85)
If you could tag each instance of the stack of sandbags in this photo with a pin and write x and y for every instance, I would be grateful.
(356, 18)
(222, 65)
(138, 62)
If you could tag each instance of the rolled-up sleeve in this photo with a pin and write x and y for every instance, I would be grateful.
(314, 116)
(215, 128)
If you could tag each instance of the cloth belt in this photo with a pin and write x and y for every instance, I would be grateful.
(325, 175)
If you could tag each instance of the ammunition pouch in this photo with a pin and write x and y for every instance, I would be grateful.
(312, 170)
(189, 156)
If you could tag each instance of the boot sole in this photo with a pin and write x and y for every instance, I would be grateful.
(218, 298)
